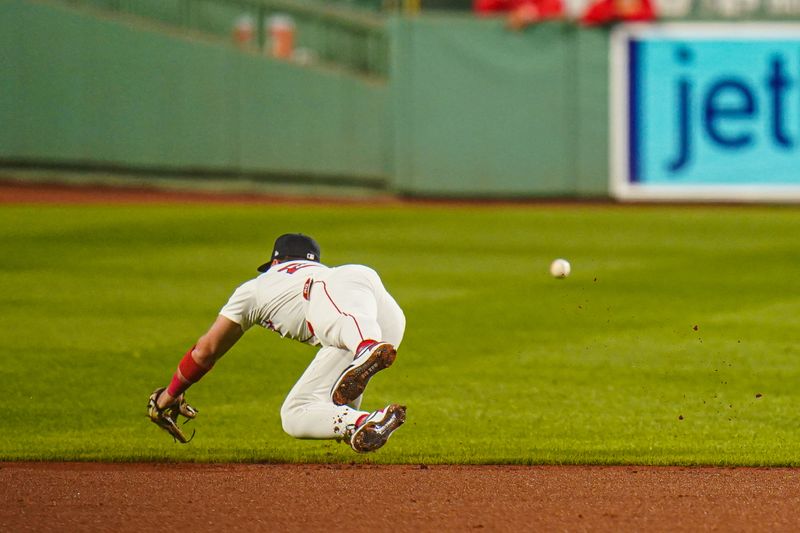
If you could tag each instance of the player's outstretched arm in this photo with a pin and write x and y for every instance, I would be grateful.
(167, 403)
(220, 338)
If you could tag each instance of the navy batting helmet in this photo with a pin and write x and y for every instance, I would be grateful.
(293, 246)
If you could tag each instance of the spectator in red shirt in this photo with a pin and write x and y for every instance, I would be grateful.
(609, 11)
(521, 13)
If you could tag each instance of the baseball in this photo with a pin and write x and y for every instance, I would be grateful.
(560, 268)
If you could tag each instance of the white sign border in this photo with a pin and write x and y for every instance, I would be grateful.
(620, 186)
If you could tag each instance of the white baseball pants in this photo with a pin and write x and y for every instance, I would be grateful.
(346, 306)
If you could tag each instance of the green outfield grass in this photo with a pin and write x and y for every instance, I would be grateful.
(675, 340)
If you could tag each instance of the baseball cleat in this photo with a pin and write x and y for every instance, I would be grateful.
(371, 360)
(377, 428)
(167, 417)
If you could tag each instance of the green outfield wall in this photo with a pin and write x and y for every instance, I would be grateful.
(466, 108)
(481, 110)
(82, 89)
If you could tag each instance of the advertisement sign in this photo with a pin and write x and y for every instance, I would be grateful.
(706, 112)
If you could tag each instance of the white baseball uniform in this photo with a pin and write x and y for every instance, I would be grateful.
(335, 308)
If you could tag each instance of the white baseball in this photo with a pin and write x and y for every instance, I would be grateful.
(559, 268)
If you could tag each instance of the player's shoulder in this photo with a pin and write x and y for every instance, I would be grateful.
(248, 287)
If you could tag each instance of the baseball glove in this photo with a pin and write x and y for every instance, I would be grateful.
(167, 417)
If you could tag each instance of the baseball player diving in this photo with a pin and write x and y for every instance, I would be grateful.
(344, 310)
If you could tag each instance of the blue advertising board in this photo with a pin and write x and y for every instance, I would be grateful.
(706, 112)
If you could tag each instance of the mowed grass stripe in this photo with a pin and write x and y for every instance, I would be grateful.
(672, 342)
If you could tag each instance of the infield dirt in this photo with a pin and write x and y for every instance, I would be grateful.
(202, 497)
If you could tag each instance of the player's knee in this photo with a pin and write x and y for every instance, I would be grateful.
(290, 427)
(290, 415)
(290, 419)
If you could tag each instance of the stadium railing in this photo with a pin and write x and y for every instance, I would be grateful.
(342, 34)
